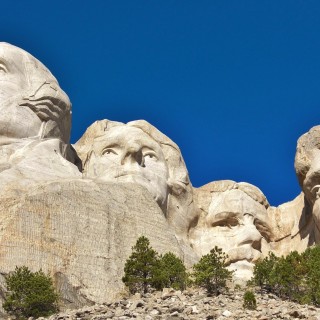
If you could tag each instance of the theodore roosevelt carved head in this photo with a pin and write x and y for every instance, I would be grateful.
(232, 216)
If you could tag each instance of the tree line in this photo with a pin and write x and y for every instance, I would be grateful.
(295, 277)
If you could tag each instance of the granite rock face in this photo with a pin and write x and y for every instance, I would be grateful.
(307, 165)
(78, 228)
(81, 232)
(232, 216)
(137, 152)
(35, 123)
(76, 211)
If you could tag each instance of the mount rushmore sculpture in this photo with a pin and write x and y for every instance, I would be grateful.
(76, 211)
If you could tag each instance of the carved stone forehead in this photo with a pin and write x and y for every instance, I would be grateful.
(126, 137)
(24, 63)
(126, 134)
(235, 202)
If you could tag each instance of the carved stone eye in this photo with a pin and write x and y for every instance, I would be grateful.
(229, 223)
(150, 155)
(316, 191)
(108, 151)
(3, 68)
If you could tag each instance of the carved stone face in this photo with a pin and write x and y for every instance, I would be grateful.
(233, 223)
(32, 105)
(127, 154)
(311, 187)
(12, 73)
(13, 82)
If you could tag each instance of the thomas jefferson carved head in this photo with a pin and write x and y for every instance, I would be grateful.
(137, 152)
(32, 104)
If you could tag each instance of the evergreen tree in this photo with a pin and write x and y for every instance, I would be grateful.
(262, 271)
(140, 267)
(170, 272)
(295, 277)
(211, 272)
(30, 294)
(287, 275)
(311, 259)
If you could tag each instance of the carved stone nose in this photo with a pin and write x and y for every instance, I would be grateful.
(131, 156)
(251, 236)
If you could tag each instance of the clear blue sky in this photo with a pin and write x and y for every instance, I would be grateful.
(233, 83)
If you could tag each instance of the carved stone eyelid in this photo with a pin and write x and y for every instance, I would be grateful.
(316, 186)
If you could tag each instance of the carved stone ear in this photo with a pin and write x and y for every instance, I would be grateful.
(176, 187)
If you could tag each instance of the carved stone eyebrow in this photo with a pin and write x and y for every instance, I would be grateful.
(110, 146)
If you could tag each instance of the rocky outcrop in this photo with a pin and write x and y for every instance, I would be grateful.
(76, 211)
(192, 304)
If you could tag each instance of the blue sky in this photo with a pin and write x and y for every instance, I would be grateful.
(233, 83)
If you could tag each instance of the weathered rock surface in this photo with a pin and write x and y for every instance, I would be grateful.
(76, 213)
(81, 232)
(192, 304)
(293, 226)
(307, 165)
(232, 216)
(35, 123)
(138, 152)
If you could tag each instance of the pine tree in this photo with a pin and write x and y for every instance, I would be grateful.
(170, 272)
(311, 259)
(287, 276)
(262, 271)
(30, 294)
(140, 267)
(211, 272)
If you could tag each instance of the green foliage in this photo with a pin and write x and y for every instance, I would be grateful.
(170, 272)
(286, 276)
(262, 271)
(140, 267)
(211, 272)
(30, 294)
(249, 300)
(145, 269)
(295, 277)
(311, 258)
